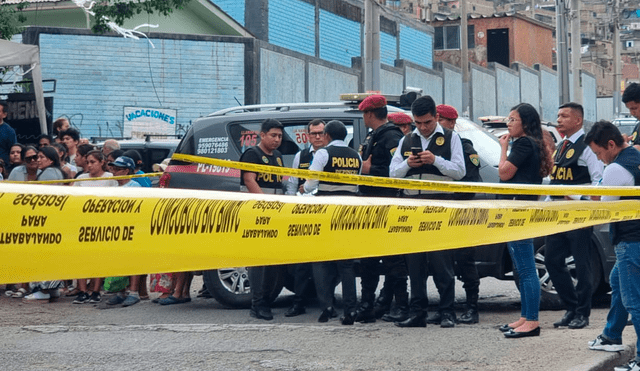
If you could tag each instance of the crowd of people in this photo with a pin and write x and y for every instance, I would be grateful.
(425, 146)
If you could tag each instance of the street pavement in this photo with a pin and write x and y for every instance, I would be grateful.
(204, 335)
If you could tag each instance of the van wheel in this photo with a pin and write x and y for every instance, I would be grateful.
(231, 286)
(549, 298)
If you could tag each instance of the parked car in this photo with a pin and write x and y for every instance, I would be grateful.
(497, 125)
(227, 133)
(153, 148)
(626, 124)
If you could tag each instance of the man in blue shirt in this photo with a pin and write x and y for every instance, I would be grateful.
(7, 134)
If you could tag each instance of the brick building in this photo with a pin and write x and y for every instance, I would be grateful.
(500, 38)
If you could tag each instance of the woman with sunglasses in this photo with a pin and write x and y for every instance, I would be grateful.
(28, 171)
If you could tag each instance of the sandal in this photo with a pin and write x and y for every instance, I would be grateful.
(172, 300)
(19, 294)
(9, 293)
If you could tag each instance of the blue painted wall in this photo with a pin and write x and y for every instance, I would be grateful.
(416, 46)
(292, 25)
(340, 39)
(235, 9)
(105, 74)
(388, 49)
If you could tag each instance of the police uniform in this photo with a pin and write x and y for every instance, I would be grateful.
(574, 164)
(262, 278)
(302, 160)
(336, 157)
(635, 135)
(302, 272)
(449, 164)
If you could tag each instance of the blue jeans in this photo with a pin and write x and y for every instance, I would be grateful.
(625, 292)
(522, 255)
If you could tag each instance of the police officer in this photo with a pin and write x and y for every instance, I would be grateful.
(574, 164)
(465, 258)
(395, 266)
(631, 99)
(376, 151)
(429, 152)
(403, 121)
(336, 157)
(265, 153)
(302, 273)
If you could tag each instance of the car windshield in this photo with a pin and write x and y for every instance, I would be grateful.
(486, 144)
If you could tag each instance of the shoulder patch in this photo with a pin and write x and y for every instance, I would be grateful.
(279, 161)
(393, 151)
(475, 159)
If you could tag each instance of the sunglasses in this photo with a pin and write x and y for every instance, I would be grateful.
(31, 158)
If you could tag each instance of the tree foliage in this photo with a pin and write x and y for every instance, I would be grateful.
(11, 18)
(119, 11)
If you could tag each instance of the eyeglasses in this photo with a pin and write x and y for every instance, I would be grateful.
(512, 119)
(31, 158)
(316, 133)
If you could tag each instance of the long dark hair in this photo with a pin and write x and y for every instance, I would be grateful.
(532, 127)
(51, 153)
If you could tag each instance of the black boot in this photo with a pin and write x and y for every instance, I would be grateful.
(382, 306)
(365, 313)
(401, 312)
(470, 316)
(418, 319)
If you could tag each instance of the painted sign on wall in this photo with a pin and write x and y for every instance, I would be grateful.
(139, 121)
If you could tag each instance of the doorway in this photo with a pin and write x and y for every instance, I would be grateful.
(498, 46)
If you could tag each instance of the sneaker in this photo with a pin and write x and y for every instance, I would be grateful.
(631, 366)
(95, 297)
(130, 300)
(115, 300)
(602, 343)
(36, 297)
(82, 298)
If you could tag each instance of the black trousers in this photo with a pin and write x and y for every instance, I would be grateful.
(326, 275)
(262, 281)
(395, 278)
(440, 265)
(302, 274)
(558, 248)
(369, 278)
(466, 260)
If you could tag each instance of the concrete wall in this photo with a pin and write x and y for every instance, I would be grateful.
(452, 85)
(483, 97)
(529, 86)
(507, 82)
(326, 84)
(391, 81)
(428, 80)
(549, 94)
(273, 87)
(605, 108)
(589, 102)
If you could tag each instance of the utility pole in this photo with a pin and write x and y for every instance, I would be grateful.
(464, 58)
(576, 55)
(616, 58)
(562, 55)
(371, 46)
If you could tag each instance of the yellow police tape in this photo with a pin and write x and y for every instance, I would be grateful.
(59, 232)
(463, 187)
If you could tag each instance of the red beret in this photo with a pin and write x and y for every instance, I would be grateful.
(400, 118)
(447, 111)
(372, 102)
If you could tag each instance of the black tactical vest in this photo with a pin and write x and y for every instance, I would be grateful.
(305, 161)
(628, 231)
(565, 164)
(440, 145)
(342, 160)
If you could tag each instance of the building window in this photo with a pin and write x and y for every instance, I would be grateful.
(448, 37)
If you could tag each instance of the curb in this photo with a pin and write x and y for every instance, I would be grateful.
(606, 361)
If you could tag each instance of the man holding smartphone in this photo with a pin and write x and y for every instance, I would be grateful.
(434, 153)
